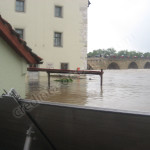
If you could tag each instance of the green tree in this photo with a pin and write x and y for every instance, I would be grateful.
(123, 53)
(147, 54)
(112, 52)
(102, 52)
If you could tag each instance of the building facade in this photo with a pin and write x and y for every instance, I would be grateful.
(54, 29)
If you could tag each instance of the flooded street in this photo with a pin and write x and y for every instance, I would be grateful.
(122, 89)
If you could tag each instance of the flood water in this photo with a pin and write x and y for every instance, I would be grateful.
(122, 89)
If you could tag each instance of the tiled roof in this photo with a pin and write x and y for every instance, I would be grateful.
(17, 44)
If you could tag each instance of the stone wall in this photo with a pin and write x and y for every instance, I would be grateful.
(83, 32)
(118, 63)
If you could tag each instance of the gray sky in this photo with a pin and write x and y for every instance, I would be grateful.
(121, 24)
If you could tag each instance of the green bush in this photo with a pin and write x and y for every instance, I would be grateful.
(64, 80)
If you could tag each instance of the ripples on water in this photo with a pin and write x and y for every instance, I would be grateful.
(122, 89)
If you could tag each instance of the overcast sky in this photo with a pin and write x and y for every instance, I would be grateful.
(120, 24)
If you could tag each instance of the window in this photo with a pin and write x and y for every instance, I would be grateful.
(64, 66)
(20, 32)
(57, 39)
(34, 65)
(58, 11)
(20, 5)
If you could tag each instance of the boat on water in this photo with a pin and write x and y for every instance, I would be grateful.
(37, 125)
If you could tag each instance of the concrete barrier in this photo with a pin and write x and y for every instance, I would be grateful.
(70, 127)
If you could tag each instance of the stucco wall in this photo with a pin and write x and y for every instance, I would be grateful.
(12, 69)
(40, 24)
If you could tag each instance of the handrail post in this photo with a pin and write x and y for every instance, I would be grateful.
(101, 77)
(48, 73)
(27, 144)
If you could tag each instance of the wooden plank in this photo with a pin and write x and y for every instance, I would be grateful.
(65, 71)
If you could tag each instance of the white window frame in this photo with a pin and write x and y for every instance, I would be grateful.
(58, 41)
(64, 63)
(58, 14)
(20, 8)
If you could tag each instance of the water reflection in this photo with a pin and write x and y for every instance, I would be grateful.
(122, 89)
(73, 92)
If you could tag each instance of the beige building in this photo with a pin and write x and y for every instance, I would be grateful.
(54, 29)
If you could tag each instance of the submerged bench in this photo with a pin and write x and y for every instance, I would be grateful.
(49, 71)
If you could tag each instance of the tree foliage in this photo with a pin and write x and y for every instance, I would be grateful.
(112, 52)
(102, 52)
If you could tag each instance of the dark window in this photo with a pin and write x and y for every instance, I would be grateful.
(20, 5)
(20, 32)
(58, 39)
(58, 11)
(64, 66)
(33, 65)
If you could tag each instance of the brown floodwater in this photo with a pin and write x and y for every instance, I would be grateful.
(122, 89)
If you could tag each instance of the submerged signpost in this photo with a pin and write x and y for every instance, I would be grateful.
(49, 71)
